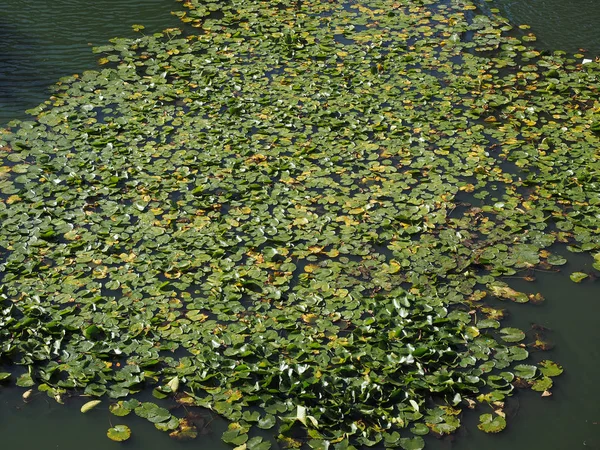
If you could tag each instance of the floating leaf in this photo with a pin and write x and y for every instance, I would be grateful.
(491, 423)
(415, 443)
(152, 412)
(174, 384)
(419, 429)
(119, 433)
(119, 409)
(172, 424)
(510, 334)
(90, 405)
(578, 276)
(525, 371)
(543, 384)
(550, 368)
(257, 443)
(235, 437)
(266, 422)
(25, 380)
(556, 260)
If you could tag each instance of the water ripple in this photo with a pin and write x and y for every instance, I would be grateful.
(558, 24)
(41, 42)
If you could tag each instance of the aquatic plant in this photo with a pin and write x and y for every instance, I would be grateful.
(295, 217)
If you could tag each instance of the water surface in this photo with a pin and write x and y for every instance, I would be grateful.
(42, 41)
(569, 25)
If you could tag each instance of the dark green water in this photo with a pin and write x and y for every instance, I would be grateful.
(569, 25)
(43, 41)
(570, 419)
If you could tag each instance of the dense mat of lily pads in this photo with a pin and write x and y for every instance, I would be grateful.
(295, 217)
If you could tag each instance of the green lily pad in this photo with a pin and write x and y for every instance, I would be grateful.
(489, 423)
(119, 409)
(542, 384)
(577, 277)
(25, 380)
(257, 443)
(419, 429)
(266, 422)
(172, 424)
(152, 412)
(525, 371)
(235, 437)
(119, 433)
(518, 353)
(510, 334)
(550, 368)
(556, 260)
(415, 443)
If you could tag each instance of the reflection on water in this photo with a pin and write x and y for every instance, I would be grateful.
(569, 25)
(42, 41)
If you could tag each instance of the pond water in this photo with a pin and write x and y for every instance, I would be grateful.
(41, 42)
(569, 25)
(570, 419)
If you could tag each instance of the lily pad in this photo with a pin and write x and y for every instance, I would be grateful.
(90, 405)
(577, 277)
(415, 443)
(550, 368)
(119, 433)
(235, 437)
(491, 423)
(556, 260)
(510, 334)
(266, 422)
(119, 409)
(542, 384)
(153, 412)
(525, 371)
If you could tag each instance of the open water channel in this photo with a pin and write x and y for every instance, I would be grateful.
(42, 41)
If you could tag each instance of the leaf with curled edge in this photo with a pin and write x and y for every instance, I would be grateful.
(490, 423)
